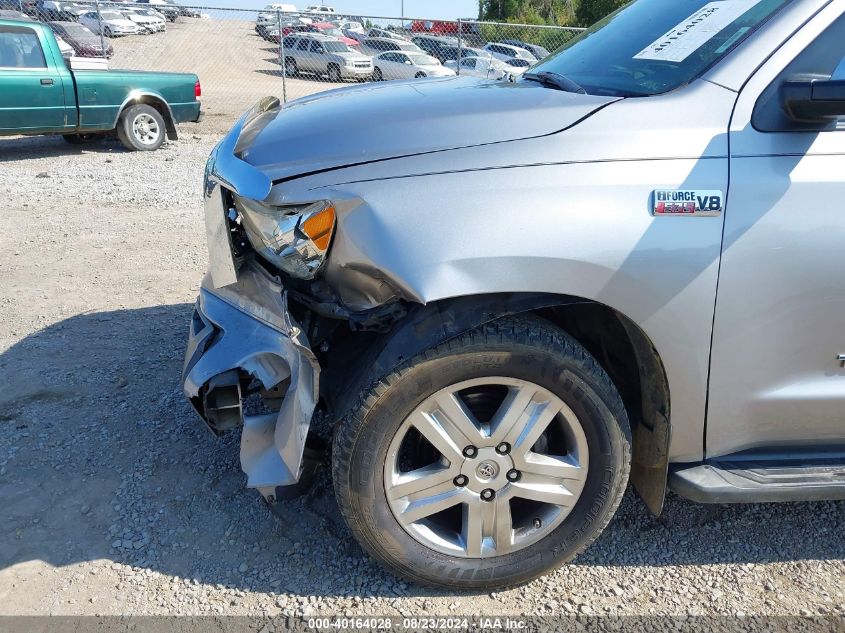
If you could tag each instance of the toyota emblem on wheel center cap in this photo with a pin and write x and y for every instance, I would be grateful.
(487, 470)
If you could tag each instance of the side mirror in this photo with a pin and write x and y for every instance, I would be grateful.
(814, 99)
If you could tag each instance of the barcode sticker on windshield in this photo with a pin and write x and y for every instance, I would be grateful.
(698, 29)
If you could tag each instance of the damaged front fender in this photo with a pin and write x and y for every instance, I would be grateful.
(246, 327)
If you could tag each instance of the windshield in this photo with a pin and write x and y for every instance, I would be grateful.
(109, 15)
(653, 46)
(423, 60)
(336, 47)
(518, 63)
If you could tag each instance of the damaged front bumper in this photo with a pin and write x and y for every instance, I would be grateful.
(240, 333)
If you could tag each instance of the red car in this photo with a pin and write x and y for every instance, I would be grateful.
(330, 29)
(438, 27)
(289, 29)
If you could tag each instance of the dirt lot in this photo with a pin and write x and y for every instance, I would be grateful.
(116, 500)
(236, 67)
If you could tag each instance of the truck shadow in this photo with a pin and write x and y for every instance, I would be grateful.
(102, 458)
(29, 147)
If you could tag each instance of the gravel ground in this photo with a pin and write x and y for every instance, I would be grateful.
(116, 500)
(236, 67)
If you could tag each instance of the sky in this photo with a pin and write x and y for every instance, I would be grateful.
(433, 9)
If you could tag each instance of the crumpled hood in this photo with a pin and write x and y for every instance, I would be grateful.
(350, 126)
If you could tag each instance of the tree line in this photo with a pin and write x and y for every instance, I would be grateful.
(553, 12)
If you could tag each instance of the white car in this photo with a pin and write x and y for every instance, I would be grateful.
(506, 52)
(518, 66)
(384, 33)
(316, 8)
(485, 67)
(270, 14)
(109, 23)
(147, 22)
(376, 45)
(350, 26)
(66, 49)
(402, 65)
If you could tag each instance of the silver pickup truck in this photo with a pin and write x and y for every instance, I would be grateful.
(510, 298)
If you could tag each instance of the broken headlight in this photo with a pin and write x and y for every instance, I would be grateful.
(294, 239)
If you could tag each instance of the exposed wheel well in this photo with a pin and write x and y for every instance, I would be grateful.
(617, 343)
(162, 108)
(630, 359)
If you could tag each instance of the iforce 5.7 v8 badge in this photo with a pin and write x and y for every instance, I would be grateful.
(686, 203)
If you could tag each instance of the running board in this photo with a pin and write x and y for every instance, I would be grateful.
(746, 480)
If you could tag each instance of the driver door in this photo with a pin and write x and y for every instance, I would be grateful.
(776, 380)
(32, 97)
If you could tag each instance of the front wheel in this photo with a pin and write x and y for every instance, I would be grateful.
(291, 69)
(107, 32)
(334, 74)
(420, 75)
(141, 128)
(484, 462)
(377, 74)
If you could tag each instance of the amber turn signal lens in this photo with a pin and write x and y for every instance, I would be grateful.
(319, 228)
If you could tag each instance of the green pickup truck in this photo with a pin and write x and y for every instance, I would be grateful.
(42, 93)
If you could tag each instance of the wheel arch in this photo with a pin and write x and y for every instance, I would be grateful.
(620, 346)
(156, 101)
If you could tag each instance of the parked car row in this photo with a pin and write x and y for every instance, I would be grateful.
(341, 48)
(60, 11)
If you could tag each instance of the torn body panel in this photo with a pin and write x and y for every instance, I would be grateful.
(246, 327)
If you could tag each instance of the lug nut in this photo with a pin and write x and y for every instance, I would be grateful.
(513, 475)
(470, 451)
(487, 494)
(538, 523)
(503, 449)
(460, 481)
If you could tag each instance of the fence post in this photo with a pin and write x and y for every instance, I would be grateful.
(100, 29)
(282, 57)
(460, 45)
(20, 5)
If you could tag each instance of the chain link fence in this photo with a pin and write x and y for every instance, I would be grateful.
(241, 55)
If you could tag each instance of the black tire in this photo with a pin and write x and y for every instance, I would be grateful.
(377, 74)
(333, 74)
(80, 139)
(525, 348)
(131, 138)
(291, 68)
(107, 32)
(420, 75)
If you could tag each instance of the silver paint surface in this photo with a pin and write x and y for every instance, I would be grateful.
(457, 187)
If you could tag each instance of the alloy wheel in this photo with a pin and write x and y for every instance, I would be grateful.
(486, 467)
(146, 129)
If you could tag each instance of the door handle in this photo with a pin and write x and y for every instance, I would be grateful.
(46, 82)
